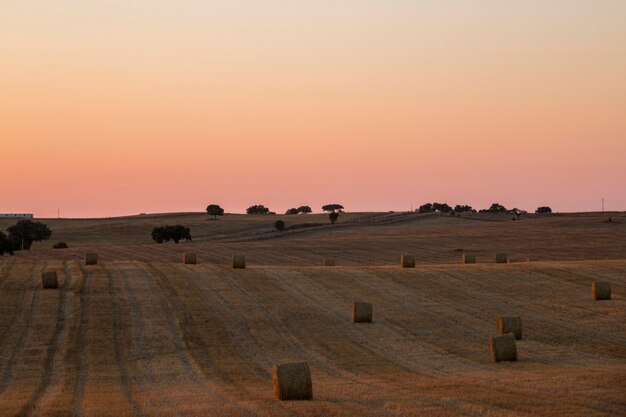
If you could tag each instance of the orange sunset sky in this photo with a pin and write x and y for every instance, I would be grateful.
(119, 107)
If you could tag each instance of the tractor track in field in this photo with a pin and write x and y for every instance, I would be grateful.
(175, 328)
(9, 365)
(255, 355)
(232, 325)
(82, 361)
(187, 327)
(5, 270)
(194, 342)
(56, 349)
(138, 330)
(394, 291)
(121, 358)
(354, 335)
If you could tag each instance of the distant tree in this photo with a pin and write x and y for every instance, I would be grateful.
(60, 245)
(543, 210)
(425, 208)
(495, 208)
(306, 209)
(25, 232)
(167, 233)
(517, 212)
(214, 210)
(292, 211)
(441, 208)
(6, 244)
(332, 207)
(257, 209)
(464, 209)
(333, 216)
(279, 225)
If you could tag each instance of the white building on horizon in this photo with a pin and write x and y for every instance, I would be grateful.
(16, 215)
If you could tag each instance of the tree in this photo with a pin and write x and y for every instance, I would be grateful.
(332, 207)
(333, 216)
(292, 211)
(214, 210)
(425, 208)
(257, 209)
(306, 209)
(543, 210)
(517, 212)
(464, 209)
(441, 208)
(495, 208)
(60, 245)
(279, 225)
(167, 233)
(6, 244)
(25, 232)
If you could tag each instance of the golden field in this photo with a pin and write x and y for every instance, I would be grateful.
(141, 334)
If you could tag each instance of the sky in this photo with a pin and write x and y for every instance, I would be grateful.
(121, 107)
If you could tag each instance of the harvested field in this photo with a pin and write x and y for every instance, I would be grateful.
(131, 338)
(357, 239)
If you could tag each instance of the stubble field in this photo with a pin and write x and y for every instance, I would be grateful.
(141, 334)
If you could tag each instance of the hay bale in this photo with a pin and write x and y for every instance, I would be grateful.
(507, 325)
(189, 258)
(91, 258)
(50, 280)
(239, 261)
(503, 348)
(600, 290)
(501, 258)
(292, 381)
(468, 259)
(407, 261)
(329, 262)
(362, 312)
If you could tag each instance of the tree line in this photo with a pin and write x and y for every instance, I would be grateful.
(494, 208)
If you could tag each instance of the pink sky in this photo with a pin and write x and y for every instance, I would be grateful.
(126, 107)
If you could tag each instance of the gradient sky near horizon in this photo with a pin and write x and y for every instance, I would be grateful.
(120, 107)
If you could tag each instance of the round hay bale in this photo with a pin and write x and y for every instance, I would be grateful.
(50, 280)
(91, 258)
(502, 258)
(601, 290)
(329, 262)
(239, 261)
(292, 381)
(407, 261)
(189, 258)
(507, 325)
(468, 259)
(503, 348)
(362, 312)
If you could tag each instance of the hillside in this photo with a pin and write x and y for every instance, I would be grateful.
(358, 239)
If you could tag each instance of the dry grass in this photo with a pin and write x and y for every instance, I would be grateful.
(159, 338)
(362, 239)
(143, 334)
